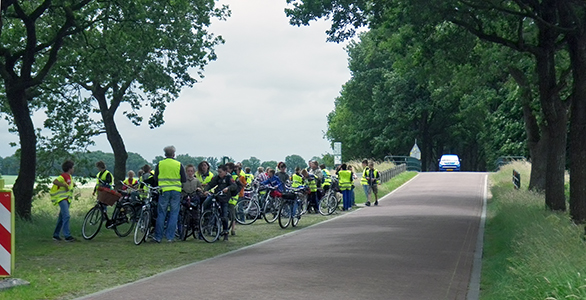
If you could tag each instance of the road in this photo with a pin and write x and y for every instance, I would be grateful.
(419, 243)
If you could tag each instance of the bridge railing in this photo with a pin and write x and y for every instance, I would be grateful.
(387, 174)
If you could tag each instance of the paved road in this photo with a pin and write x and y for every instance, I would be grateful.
(418, 243)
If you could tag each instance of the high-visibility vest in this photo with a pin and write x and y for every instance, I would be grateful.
(127, 181)
(327, 177)
(313, 184)
(204, 179)
(345, 178)
(169, 175)
(103, 178)
(249, 178)
(376, 176)
(59, 193)
(296, 180)
(234, 199)
(363, 181)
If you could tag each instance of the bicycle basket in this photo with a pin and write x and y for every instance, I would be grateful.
(108, 196)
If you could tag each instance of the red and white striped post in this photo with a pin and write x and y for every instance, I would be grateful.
(6, 233)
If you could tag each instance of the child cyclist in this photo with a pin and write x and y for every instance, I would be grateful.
(221, 182)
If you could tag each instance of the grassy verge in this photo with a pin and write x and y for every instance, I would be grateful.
(530, 252)
(59, 270)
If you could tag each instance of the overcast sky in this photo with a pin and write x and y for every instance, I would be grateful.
(267, 95)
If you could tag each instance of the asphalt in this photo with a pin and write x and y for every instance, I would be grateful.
(419, 243)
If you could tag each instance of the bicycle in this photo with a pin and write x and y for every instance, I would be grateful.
(290, 212)
(147, 216)
(248, 209)
(330, 201)
(271, 205)
(210, 223)
(123, 218)
(189, 218)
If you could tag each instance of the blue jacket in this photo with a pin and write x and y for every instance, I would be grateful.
(274, 181)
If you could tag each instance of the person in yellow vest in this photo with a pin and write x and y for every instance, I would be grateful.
(373, 179)
(345, 181)
(169, 176)
(203, 174)
(130, 181)
(249, 177)
(61, 194)
(104, 177)
(327, 178)
(364, 182)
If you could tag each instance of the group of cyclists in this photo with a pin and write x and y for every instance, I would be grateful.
(230, 183)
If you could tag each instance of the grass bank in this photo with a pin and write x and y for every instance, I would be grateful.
(59, 270)
(529, 251)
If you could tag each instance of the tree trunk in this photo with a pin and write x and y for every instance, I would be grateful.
(113, 135)
(577, 140)
(554, 110)
(536, 141)
(25, 183)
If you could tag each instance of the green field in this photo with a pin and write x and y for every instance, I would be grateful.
(9, 179)
(60, 270)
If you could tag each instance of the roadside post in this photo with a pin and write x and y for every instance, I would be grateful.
(6, 231)
(516, 179)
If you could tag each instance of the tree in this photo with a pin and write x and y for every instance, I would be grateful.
(253, 163)
(293, 161)
(523, 26)
(31, 38)
(269, 164)
(140, 54)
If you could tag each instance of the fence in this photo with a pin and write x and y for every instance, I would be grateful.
(386, 175)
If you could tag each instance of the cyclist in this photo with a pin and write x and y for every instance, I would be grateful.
(283, 176)
(236, 171)
(327, 178)
(249, 177)
(345, 181)
(373, 179)
(311, 181)
(227, 185)
(203, 174)
(105, 178)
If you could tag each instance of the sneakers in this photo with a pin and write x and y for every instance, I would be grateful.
(232, 232)
(367, 203)
(376, 203)
(225, 237)
(69, 239)
(56, 239)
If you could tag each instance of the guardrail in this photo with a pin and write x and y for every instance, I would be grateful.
(387, 174)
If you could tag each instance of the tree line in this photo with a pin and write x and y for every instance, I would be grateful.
(477, 78)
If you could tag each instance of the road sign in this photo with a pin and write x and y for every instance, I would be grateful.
(415, 152)
(337, 153)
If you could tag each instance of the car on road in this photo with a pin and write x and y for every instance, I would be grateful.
(449, 162)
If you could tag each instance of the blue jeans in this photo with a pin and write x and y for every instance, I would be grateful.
(366, 189)
(352, 196)
(168, 198)
(346, 199)
(63, 220)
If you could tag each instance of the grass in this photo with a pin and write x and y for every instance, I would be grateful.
(59, 270)
(530, 252)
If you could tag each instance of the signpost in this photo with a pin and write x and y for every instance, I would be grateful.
(337, 153)
(6, 233)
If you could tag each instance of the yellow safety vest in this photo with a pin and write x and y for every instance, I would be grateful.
(169, 175)
(327, 177)
(249, 178)
(363, 181)
(313, 184)
(58, 193)
(296, 180)
(234, 199)
(345, 178)
(103, 178)
(206, 180)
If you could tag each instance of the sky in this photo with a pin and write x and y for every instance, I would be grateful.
(267, 95)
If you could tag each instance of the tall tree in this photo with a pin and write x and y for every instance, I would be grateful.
(32, 34)
(142, 54)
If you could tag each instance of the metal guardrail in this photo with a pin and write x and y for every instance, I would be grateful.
(387, 174)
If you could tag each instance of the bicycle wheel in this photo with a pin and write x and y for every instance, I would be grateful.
(124, 218)
(185, 229)
(142, 227)
(271, 211)
(303, 203)
(210, 226)
(285, 214)
(247, 211)
(92, 223)
(328, 204)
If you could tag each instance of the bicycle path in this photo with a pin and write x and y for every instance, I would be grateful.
(419, 243)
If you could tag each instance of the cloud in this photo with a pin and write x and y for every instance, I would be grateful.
(267, 95)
